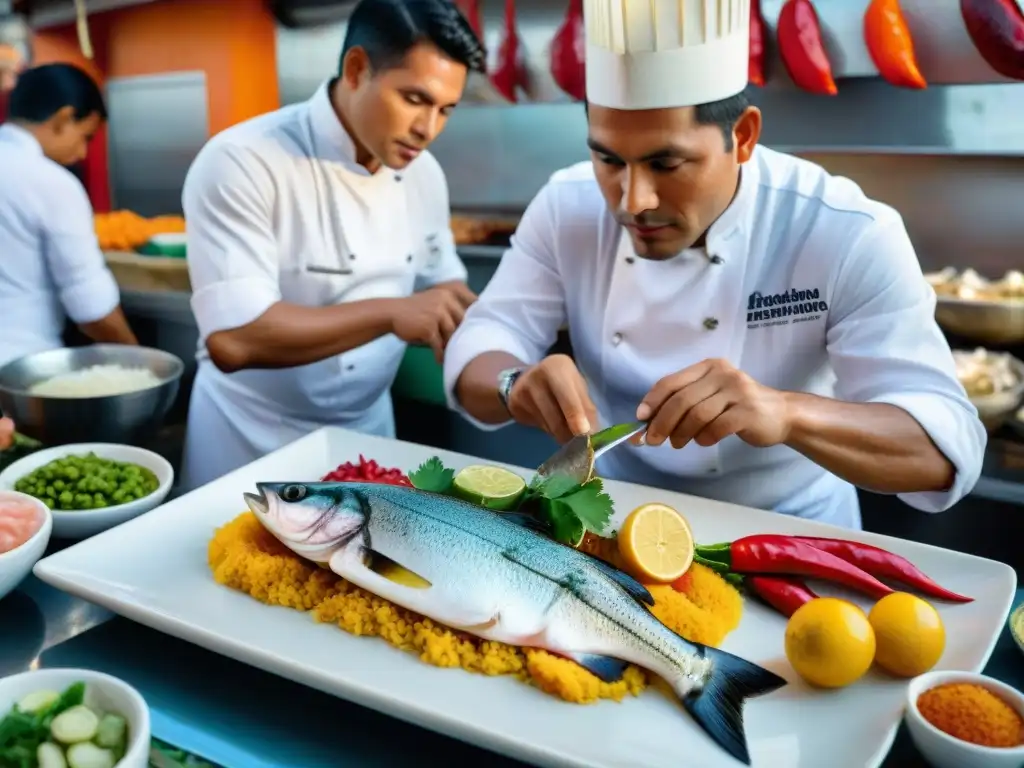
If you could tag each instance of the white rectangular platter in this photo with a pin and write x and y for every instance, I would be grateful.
(154, 570)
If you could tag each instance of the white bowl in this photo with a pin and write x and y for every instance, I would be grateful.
(102, 691)
(79, 524)
(944, 751)
(16, 564)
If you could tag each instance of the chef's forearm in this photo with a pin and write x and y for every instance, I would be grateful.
(477, 386)
(875, 446)
(288, 335)
(112, 329)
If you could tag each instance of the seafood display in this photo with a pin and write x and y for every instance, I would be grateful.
(512, 585)
(543, 589)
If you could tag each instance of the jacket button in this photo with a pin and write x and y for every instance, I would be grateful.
(716, 260)
(351, 257)
(711, 323)
(350, 367)
(617, 339)
(630, 259)
(409, 258)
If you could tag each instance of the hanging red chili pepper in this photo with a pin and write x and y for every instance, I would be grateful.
(883, 565)
(781, 555)
(802, 49)
(510, 72)
(568, 53)
(996, 28)
(783, 593)
(756, 57)
(890, 45)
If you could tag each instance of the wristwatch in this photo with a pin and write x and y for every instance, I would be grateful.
(506, 379)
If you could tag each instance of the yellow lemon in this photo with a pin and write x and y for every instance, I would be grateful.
(830, 642)
(656, 543)
(909, 633)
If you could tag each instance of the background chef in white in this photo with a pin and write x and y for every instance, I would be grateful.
(310, 228)
(51, 266)
(770, 321)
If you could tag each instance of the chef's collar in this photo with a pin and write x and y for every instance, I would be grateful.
(736, 217)
(15, 134)
(332, 141)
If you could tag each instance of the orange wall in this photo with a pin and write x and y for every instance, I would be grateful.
(232, 41)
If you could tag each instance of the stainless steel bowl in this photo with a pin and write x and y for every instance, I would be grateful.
(995, 410)
(987, 322)
(129, 418)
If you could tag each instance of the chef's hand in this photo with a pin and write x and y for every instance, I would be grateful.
(6, 433)
(710, 401)
(430, 317)
(552, 396)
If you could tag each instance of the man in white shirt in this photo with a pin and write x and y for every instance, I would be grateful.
(51, 267)
(309, 231)
(769, 321)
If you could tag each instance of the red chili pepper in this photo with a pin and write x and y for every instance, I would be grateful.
(755, 70)
(890, 45)
(783, 593)
(802, 49)
(996, 28)
(774, 554)
(882, 564)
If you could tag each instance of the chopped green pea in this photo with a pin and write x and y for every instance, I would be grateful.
(87, 482)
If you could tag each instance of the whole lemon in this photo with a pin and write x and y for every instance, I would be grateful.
(830, 642)
(909, 634)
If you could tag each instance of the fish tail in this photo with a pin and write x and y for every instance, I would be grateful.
(718, 705)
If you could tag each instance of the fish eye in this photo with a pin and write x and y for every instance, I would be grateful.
(293, 492)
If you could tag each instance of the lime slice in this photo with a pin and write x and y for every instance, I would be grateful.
(491, 487)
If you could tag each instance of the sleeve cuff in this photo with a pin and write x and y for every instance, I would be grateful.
(91, 299)
(233, 303)
(955, 428)
(471, 340)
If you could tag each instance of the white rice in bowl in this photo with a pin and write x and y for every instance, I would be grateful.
(96, 381)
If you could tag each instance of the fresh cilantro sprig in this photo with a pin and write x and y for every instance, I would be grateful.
(573, 509)
(433, 476)
(568, 509)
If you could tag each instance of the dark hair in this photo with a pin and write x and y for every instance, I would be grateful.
(387, 29)
(43, 91)
(724, 113)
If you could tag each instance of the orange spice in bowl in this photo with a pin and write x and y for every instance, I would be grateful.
(972, 713)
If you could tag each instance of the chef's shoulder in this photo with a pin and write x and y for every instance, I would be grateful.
(829, 214)
(259, 152)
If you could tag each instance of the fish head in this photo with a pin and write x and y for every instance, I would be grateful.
(313, 520)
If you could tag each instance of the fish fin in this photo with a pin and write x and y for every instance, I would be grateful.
(527, 520)
(718, 705)
(603, 667)
(634, 588)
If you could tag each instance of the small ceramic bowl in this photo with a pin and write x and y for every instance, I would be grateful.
(16, 564)
(944, 751)
(102, 691)
(79, 524)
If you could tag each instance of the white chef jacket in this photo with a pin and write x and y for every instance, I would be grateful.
(805, 284)
(51, 266)
(279, 210)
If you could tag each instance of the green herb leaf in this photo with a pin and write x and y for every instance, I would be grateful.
(433, 476)
(566, 527)
(555, 486)
(591, 505)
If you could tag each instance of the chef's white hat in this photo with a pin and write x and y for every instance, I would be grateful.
(652, 54)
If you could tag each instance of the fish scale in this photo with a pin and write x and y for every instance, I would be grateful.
(493, 575)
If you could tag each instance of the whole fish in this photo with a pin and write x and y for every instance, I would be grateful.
(496, 576)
